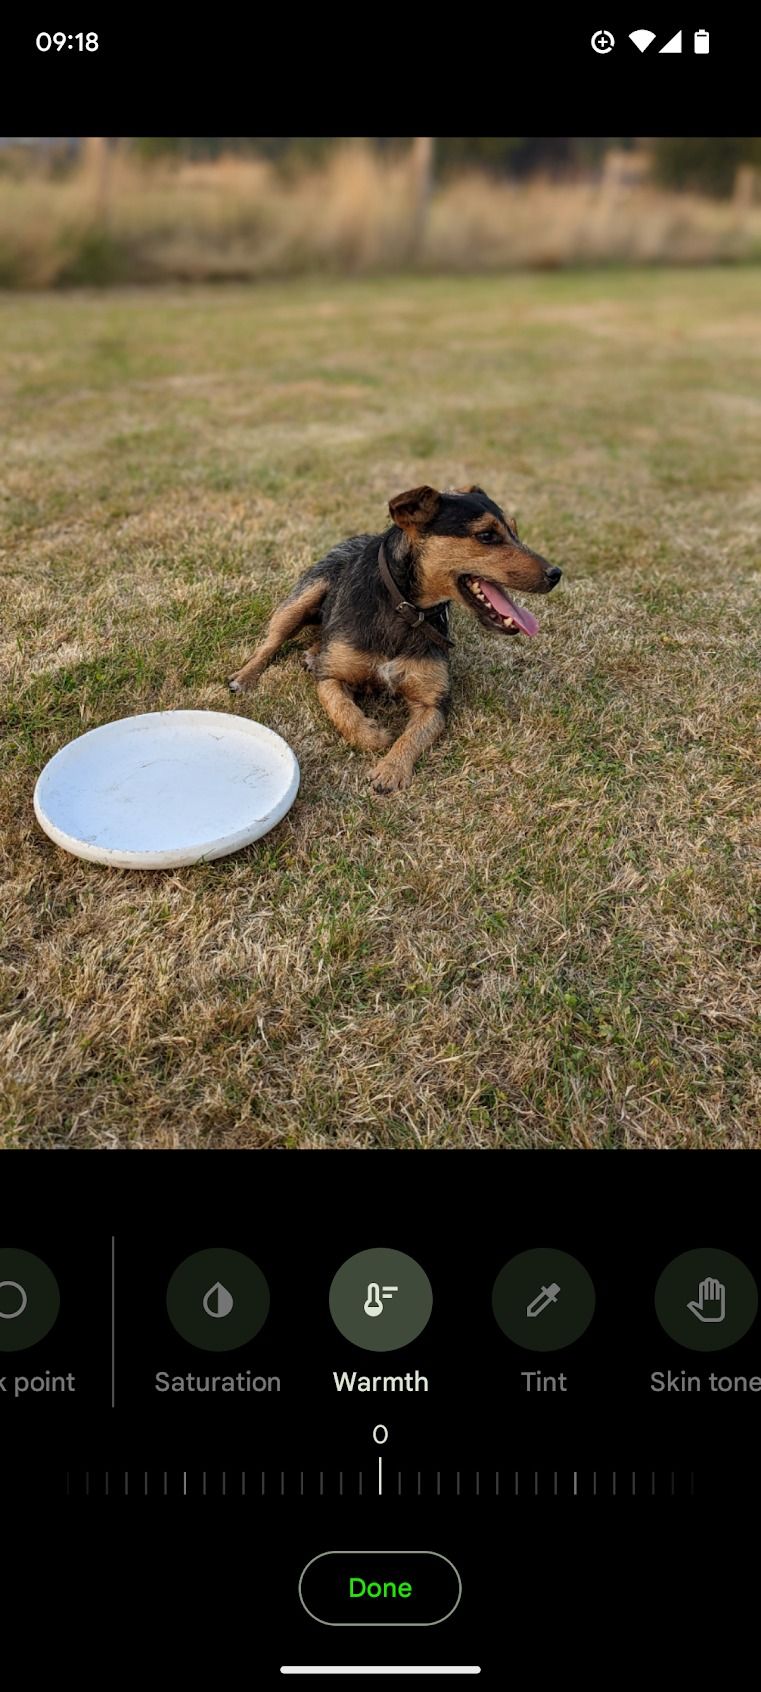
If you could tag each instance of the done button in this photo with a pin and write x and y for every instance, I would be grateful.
(380, 1588)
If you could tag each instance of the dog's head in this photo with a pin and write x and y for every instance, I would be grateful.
(465, 548)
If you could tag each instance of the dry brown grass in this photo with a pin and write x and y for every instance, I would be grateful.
(239, 219)
(552, 938)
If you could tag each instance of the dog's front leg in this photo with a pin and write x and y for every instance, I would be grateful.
(426, 723)
(424, 683)
(345, 714)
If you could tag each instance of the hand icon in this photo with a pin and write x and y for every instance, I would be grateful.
(709, 1306)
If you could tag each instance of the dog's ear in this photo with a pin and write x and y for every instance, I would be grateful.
(512, 524)
(415, 509)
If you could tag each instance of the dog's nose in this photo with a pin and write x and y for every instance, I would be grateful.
(552, 575)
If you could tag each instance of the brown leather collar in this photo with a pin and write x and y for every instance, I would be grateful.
(411, 614)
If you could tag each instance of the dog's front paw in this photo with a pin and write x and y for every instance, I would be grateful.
(389, 776)
(376, 738)
(241, 683)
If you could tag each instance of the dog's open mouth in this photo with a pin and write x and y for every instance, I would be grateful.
(495, 608)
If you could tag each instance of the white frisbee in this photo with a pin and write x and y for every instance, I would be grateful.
(166, 788)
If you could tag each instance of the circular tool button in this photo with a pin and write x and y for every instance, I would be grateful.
(381, 1299)
(29, 1299)
(706, 1300)
(543, 1300)
(218, 1299)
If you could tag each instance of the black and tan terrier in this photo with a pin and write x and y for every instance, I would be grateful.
(382, 606)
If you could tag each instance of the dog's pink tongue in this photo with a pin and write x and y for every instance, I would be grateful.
(508, 608)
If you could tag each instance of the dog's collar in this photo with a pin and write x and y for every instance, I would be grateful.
(404, 608)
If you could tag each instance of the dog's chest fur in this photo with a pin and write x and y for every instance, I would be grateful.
(388, 673)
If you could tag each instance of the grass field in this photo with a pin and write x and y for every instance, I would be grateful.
(552, 938)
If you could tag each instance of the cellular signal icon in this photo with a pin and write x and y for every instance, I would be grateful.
(642, 38)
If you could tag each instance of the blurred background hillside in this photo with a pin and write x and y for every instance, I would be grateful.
(97, 211)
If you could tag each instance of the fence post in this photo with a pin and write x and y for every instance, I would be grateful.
(97, 158)
(421, 166)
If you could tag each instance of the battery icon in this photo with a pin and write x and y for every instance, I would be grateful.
(701, 40)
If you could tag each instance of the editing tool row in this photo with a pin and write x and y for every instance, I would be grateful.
(381, 1299)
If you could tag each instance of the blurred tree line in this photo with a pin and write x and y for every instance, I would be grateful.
(704, 164)
(500, 154)
(708, 164)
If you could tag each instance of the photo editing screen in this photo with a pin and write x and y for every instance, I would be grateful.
(379, 829)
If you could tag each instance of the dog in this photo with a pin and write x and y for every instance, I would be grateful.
(382, 606)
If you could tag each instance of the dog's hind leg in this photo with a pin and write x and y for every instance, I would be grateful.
(302, 607)
(311, 656)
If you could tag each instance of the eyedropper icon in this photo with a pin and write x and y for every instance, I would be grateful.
(543, 1300)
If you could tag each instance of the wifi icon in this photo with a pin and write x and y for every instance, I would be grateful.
(642, 38)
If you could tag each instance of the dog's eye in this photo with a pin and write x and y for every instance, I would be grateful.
(488, 537)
